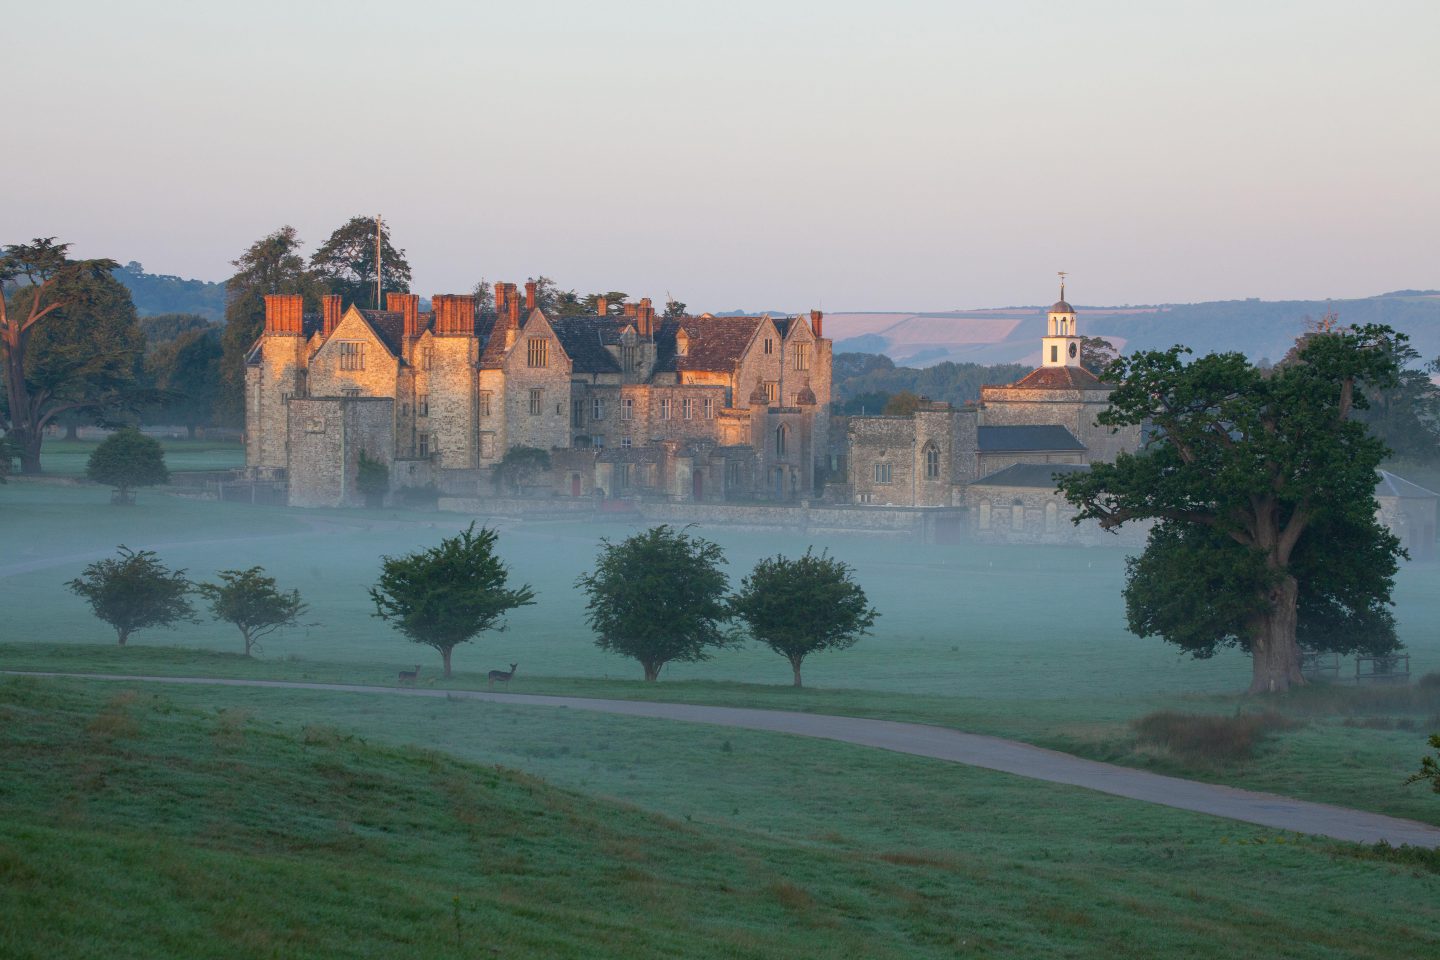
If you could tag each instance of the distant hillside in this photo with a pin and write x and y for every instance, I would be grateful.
(158, 293)
(1259, 328)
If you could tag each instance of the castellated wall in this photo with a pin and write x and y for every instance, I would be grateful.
(326, 436)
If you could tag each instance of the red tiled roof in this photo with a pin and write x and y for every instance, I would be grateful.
(1058, 378)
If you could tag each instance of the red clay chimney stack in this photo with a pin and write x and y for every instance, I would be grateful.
(529, 295)
(815, 321)
(284, 313)
(329, 313)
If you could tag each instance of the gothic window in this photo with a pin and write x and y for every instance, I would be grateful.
(782, 435)
(932, 462)
(664, 408)
(801, 354)
(352, 355)
(485, 403)
(882, 473)
(537, 401)
(627, 408)
(537, 352)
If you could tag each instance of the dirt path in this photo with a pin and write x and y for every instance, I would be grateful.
(991, 753)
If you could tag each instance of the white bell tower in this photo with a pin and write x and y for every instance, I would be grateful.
(1061, 345)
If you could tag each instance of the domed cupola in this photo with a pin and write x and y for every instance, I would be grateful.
(1061, 345)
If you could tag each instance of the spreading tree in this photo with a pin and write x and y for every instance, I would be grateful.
(1096, 354)
(135, 591)
(127, 459)
(803, 606)
(186, 372)
(1261, 486)
(68, 341)
(345, 263)
(253, 603)
(657, 597)
(447, 595)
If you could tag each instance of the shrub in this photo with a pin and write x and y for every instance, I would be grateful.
(127, 459)
(1207, 736)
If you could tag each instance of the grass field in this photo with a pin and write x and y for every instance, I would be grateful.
(67, 458)
(167, 823)
(961, 640)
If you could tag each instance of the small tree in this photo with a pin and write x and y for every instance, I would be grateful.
(127, 459)
(373, 480)
(658, 596)
(520, 467)
(445, 596)
(1429, 767)
(251, 601)
(135, 591)
(800, 607)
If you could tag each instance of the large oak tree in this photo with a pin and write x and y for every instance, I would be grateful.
(1261, 486)
(345, 263)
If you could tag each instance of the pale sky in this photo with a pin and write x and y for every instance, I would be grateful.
(855, 156)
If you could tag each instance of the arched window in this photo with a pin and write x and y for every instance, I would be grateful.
(782, 434)
(1017, 515)
(932, 462)
(1052, 517)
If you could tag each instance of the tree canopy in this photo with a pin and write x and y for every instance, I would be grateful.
(253, 603)
(803, 606)
(345, 263)
(134, 591)
(68, 341)
(658, 597)
(186, 375)
(127, 459)
(449, 594)
(1261, 486)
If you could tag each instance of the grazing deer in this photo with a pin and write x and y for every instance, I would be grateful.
(410, 676)
(501, 675)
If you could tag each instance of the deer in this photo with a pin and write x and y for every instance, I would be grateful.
(410, 676)
(501, 675)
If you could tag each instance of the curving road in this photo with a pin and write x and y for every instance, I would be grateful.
(991, 753)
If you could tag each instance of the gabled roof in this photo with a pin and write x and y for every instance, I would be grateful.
(1036, 437)
(1032, 475)
(1392, 486)
(1058, 378)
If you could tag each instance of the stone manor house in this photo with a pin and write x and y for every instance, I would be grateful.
(692, 409)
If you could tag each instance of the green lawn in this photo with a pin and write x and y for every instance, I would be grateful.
(160, 823)
(67, 458)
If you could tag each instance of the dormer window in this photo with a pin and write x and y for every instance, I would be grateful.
(682, 344)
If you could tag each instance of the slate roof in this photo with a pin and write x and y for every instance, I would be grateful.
(584, 340)
(1390, 485)
(1058, 378)
(1033, 475)
(1029, 438)
(716, 343)
(389, 326)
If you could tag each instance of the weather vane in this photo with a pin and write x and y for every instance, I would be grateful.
(1062, 284)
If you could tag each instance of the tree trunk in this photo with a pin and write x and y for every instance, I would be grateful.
(445, 655)
(29, 443)
(72, 431)
(795, 666)
(652, 671)
(190, 431)
(1274, 651)
(124, 635)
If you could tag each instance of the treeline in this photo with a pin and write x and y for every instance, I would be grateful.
(157, 293)
(868, 382)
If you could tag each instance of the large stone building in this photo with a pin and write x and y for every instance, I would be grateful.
(998, 458)
(691, 408)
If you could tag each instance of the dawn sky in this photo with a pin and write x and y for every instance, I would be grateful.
(855, 156)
